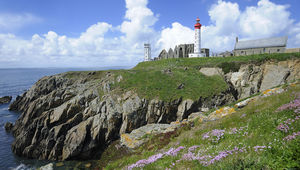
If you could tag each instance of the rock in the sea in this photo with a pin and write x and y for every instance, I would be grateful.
(8, 126)
(5, 99)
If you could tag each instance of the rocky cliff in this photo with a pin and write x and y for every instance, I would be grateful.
(72, 116)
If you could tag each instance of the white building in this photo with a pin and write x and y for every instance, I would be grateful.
(147, 49)
(197, 43)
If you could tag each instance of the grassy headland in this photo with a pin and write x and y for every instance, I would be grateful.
(171, 79)
(263, 135)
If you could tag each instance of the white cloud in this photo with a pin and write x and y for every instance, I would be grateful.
(91, 48)
(10, 21)
(267, 19)
(224, 16)
(139, 21)
(177, 34)
(94, 48)
(228, 21)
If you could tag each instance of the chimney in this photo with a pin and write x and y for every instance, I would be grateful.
(237, 39)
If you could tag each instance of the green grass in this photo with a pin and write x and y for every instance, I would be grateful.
(259, 119)
(214, 61)
(157, 84)
(150, 80)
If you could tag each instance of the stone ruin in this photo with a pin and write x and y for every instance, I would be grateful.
(180, 51)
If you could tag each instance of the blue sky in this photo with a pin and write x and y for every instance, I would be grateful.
(98, 33)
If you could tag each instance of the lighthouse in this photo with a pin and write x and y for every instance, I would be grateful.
(147, 52)
(197, 43)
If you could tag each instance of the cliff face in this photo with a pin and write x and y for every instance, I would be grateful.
(68, 118)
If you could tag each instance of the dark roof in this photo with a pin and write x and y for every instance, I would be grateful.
(262, 43)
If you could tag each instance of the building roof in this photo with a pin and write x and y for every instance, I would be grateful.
(262, 43)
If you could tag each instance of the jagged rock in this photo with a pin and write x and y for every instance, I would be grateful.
(74, 142)
(211, 71)
(137, 137)
(119, 78)
(181, 86)
(167, 71)
(274, 75)
(133, 117)
(197, 115)
(244, 102)
(269, 92)
(184, 109)
(246, 81)
(8, 126)
(65, 118)
(5, 99)
(46, 167)
(154, 111)
(92, 73)
(224, 111)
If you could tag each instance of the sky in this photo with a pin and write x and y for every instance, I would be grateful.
(103, 33)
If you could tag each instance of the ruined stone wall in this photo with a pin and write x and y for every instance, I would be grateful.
(180, 51)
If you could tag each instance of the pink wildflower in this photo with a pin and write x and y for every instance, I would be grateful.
(259, 148)
(283, 127)
(143, 162)
(291, 137)
(192, 148)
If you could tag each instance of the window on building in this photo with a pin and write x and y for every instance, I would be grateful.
(242, 52)
(278, 50)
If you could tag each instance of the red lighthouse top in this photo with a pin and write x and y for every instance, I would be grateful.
(198, 25)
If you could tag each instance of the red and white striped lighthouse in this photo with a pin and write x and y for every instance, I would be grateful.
(197, 43)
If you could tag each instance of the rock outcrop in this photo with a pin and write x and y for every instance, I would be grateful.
(139, 136)
(251, 78)
(142, 135)
(8, 126)
(77, 118)
(5, 99)
(65, 118)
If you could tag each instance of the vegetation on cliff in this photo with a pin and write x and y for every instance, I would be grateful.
(171, 79)
(263, 135)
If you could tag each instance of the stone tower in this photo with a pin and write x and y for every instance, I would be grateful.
(197, 43)
(147, 48)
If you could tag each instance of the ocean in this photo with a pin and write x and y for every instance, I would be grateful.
(14, 82)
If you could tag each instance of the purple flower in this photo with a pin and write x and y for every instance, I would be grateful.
(204, 160)
(205, 135)
(174, 152)
(259, 148)
(291, 137)
(214, 135)
(293, 105)
(192, 148)
(283, 127)
(143, 162)
(233, 131)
